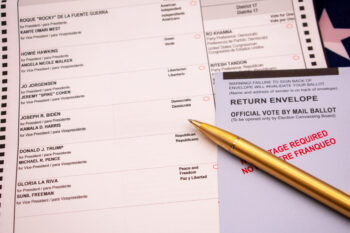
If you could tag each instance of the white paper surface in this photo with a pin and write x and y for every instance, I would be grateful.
(9, 94)
(105, 145)
(252, 201)
(262, 35)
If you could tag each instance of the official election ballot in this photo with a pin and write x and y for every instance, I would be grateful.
(106, 88)
(95, 97)
(260, 35)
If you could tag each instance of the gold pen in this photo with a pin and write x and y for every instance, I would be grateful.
(295, 177)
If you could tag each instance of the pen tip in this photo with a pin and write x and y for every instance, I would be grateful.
(195, 123)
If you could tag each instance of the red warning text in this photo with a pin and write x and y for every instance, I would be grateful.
(297, 148)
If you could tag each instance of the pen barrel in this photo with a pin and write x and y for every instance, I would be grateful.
(306, 183)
